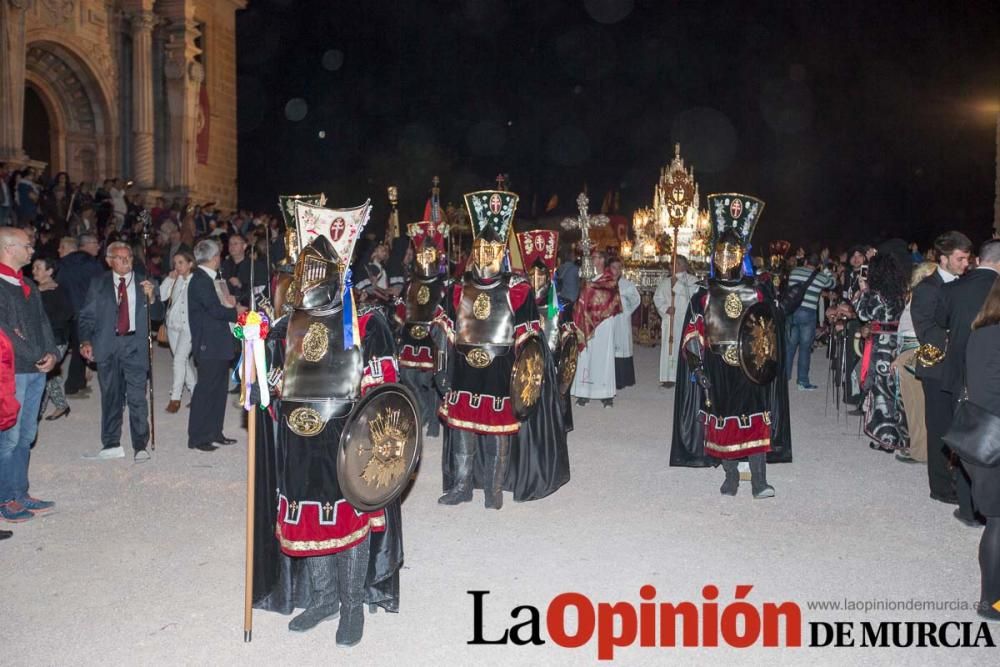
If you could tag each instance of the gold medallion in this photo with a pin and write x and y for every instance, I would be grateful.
(316, 342)
(305, 422)
(481, 307)
(479, 358)
(731, 356)
(418, 332)
(733, 305)
(423, 295)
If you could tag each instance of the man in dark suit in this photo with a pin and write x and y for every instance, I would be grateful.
(960, 302)
(953, 250)
(114, 333)
(211, 309)
(78, 265)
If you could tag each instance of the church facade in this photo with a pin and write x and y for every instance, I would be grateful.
(144, 90)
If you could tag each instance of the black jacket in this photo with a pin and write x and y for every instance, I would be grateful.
(209, 320)
(76, 270)
(100, 315)
(959, 304)
(923, 305)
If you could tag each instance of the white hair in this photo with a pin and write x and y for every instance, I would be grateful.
(205, 250)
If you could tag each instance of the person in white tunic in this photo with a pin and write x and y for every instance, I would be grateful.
(175, 288)
(624, 366)
(683, 288)
(593, 315)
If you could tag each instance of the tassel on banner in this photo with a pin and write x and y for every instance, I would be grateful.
(251, 328)
(347, 301)
(553, 305)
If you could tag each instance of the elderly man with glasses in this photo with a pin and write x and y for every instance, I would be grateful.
(114, 334)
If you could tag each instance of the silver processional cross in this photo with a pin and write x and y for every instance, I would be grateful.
(584, 221)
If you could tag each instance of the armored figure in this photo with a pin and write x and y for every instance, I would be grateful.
(342, 442)
(731, 401)
(538, 252)
(489, 318)
(416, 314)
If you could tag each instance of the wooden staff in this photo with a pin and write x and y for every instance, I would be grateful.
(248, 368)
(251, 470)
(673, 281)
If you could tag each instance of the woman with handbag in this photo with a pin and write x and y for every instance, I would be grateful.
(983, 386)
(178, 333)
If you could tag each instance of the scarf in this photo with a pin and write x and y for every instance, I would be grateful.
(15, 278)
(599, 300)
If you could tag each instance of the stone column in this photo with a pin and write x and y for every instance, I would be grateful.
(143, 165)
(12, 54)
(184, 77)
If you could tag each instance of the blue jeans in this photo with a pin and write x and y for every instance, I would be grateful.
(801, 334)
(15, 442)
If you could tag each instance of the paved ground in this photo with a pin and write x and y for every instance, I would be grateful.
(143, 564)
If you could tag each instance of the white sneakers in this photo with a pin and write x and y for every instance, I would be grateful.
(105, 454)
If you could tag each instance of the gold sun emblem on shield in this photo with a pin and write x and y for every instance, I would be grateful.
(389, 432)
(530, 380)
(763, 341)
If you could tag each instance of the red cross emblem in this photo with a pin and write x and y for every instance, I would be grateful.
(736, 208)
(337, 229)
(495, 204)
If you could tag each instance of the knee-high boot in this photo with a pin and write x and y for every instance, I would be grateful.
(989, 568)
(322, 572)
(352, 569)
(499, 450)
(463, 451)
(758, 477)
(732, 483)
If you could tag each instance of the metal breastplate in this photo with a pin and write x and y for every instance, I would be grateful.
(485, 326)
(319, 372)
(726, 306)
(422, 298)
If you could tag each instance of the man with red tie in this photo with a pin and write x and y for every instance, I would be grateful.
(114, 334)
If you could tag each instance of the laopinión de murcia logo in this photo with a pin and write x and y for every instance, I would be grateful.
(573, 621)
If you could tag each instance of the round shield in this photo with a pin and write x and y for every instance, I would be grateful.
(758, 344)
(526, 378)
(569, 353)
(379, 447)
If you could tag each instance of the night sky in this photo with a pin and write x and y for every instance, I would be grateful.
(851, 120)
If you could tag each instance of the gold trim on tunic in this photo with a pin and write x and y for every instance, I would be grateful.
(333, 542)
(764, 442)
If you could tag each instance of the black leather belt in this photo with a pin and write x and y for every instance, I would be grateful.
(130, 333)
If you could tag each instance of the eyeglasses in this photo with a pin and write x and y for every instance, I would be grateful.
(121, 258)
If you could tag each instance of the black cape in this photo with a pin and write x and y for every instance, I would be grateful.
(539, 457)
(687, 448)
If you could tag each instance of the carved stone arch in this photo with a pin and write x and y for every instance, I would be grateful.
(78, 97)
